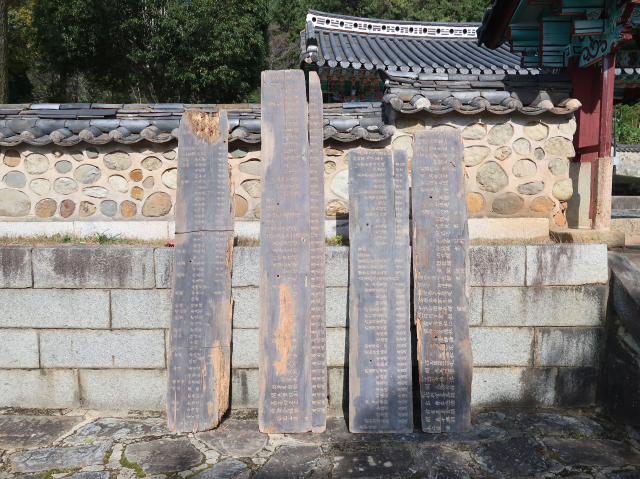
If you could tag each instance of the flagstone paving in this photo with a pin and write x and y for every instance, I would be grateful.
(502, 443)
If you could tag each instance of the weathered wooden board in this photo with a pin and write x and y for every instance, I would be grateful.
(200, 334)
(204, 199)
(379, 288)
(317, 235)
(285, 263)
(441, 280)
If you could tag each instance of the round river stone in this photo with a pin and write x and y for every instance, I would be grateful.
(542, 204)
(149, 182)
(409, 125)
(14, 203)
(443, 128)
(538, 153)
(536, 131)
(532, 188)
(12, 158)
(560, 219)
(522, 146)
(151, 163)
(63, 166)
(15, 179)
(502, 153)
(170, 178)
(86, 209)
(491, 177)
(558, 166)
(40, 186)
(136, 175)
(95, 192)
(336, 208)
(500, 134)
(250, 167)
(563, 189)
(118, 160)
(170, 154)
(158, 204)
(329, 167)
(36, 164)
(340, 184)
(239, 152)
(92, 152)
(252, 187)
(109, 208)
(524, 169)
(137, 193)
(67, 207)
(333, 152)
(473, 155)
(46, 208)
(65, 186)
(475, 202)
(401, 143)
(118, 183)
(128, 209)
(568, 126)
(256, 211)
(476, 131)
(241, 206)
(558, 146)
(87, 174)
(507, 204)
(77, 155)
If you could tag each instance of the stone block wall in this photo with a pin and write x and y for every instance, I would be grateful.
(629, 160)
(516, 166)
(88, 327)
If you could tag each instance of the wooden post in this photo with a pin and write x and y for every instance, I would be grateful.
(602, 198)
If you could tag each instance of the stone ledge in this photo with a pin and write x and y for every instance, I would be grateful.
(15, 267)
(613, 239)
(562, 264)
(102, 349)
(501, 229)
(545, 306)
(54, 308)
(89, 268)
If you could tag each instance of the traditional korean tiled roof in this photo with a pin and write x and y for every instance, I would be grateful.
(473, 94)
(98, 124)
(399, 46)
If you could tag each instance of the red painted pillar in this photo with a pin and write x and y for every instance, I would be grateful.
(606, 109)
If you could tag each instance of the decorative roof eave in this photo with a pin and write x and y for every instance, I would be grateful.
(401, 47)
(497, 94)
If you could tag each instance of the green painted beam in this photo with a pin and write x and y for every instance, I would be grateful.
(587, 27)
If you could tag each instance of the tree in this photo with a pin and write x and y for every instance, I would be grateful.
(191, 51)
(4, 51)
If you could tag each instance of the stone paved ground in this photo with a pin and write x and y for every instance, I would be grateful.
(51, 444)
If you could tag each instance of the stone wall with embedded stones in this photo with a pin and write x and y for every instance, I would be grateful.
(516, 166)
(629, 161)
(92, 182)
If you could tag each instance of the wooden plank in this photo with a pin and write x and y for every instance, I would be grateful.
(200, 333)
(441, 281)
(380, 398)
(317, 235)
(285, 264)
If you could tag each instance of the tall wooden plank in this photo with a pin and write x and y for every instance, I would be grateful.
(379, 287)
(285, 264)
(441, 280)
(317, 235)
(200, 334)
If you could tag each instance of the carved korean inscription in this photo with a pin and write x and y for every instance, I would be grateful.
(317, 234)
(441, 280)
(379, 288)
(200, 334)
(285, 257)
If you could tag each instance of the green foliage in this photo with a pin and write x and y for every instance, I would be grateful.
(628, 131)
(124, 462)
(20, 49)
(196, 51)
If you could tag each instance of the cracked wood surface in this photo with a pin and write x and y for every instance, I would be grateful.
(380, 398)
(441, 281)
(285, 257)
(200, 333)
